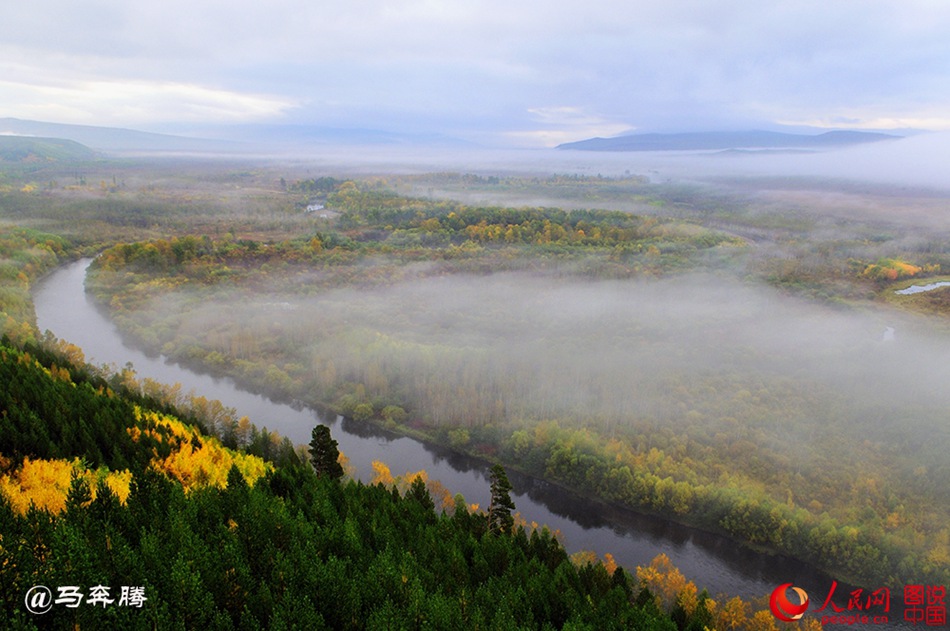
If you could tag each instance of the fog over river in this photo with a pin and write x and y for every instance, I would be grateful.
(711, 561)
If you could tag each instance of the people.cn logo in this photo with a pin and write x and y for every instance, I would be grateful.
(782, 608)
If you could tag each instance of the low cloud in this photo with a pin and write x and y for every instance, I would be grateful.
(136, 102)
(560, 124)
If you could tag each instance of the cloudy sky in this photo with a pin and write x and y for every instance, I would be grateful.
(492, 71)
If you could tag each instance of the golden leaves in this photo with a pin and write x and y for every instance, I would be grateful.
(890, 269)
(45, 483)
(663, 579)
(381, 474)
(196, 460)
(440, 495)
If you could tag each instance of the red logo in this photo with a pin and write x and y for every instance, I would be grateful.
(782, 608)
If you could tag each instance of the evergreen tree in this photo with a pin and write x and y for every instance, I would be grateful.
(419, 493)
(80, 494)
(501, 505)
(324, 454)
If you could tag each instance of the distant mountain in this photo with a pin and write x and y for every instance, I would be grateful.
(294, 136)
(28, 149)
(113, 139)
(233, 139)
(711, 141)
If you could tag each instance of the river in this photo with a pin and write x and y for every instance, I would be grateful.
(711, 561)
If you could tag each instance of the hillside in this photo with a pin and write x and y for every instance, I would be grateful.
(25, 149)
(158, 525)
(113, 139)
(710, 141)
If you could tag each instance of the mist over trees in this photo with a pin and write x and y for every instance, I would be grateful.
(618, 353)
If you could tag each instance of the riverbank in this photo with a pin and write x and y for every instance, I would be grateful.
(912, 296)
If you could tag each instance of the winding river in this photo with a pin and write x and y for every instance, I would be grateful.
(711, 561)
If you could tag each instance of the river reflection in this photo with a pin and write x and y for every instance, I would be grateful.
(711, 561)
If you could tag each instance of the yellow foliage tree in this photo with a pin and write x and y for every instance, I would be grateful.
(198, 460)
(381, 474)
(120, 482)
(890, 269)
(584, 557)
(440, 495)
(688, 598)
(763, 620)
(209, 464)
(664, 580)
(45, 483)
(443, 498)
(348, 469)
(732, 615)
(810, 624)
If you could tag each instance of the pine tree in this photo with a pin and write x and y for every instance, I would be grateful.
(501, 505)
(79, 495)
(324, 454)
(420, 494)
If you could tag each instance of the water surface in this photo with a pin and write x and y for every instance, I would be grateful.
(919, 289)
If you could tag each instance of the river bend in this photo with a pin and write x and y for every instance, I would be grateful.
(711, 561)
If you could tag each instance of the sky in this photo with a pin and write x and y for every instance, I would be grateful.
(502, 73)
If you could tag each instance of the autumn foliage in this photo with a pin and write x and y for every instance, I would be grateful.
(195, 460)
(440, 495)
(45, 483)
(41, 402)
(891, 269)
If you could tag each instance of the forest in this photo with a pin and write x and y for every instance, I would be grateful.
(247, 551)
(175, 530)
(652, 345)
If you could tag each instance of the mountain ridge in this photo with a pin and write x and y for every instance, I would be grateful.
(111, 139)
(722, 140)
(252, 138)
